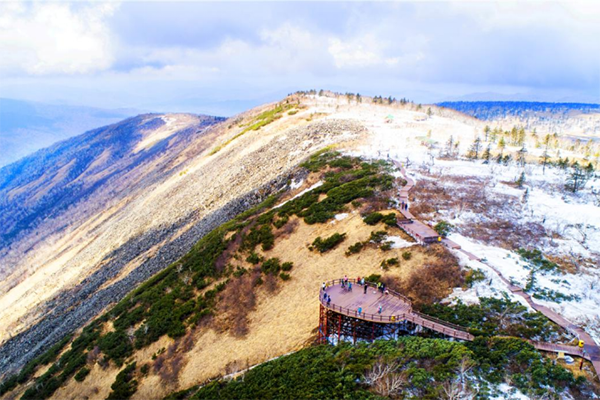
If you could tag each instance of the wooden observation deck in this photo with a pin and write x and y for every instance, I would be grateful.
(340, 318)
(358, 313)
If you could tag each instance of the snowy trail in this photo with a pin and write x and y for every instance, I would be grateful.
(592, 350)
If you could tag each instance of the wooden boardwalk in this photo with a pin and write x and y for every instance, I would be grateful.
(395, 308)
(591, 349)
(419, 231)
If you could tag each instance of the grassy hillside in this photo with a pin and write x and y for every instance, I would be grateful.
(186, 294)
(247, 292)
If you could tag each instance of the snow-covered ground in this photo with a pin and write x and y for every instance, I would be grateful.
(399, 243)
(583, 309)
(570, 222)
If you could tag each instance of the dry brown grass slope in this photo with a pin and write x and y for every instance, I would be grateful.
(152, 214)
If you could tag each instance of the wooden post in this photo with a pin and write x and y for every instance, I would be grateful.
(339, 327)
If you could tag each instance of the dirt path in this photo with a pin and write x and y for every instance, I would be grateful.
(591, 349)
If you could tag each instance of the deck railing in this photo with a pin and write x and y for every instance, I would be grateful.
(410, 315)
(366, 316)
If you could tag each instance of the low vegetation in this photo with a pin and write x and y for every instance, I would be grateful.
(410, 367)
(443, 228)
(261, 120)
(323, 245)
(376, 217)
(186, 293)
(497, 317)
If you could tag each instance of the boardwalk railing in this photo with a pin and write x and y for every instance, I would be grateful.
(366, 316)
(415, 317)
(441, 322)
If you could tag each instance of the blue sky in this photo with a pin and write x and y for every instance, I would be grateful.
(224, 57)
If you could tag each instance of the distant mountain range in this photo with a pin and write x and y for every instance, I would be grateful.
(490, 110)
(27, 126)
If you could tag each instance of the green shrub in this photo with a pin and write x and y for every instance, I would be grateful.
(124, 385)
(287, 266)
(536, 258)
(378, 237)
(373, 218)
(406, 255)
(116, 346)
(83, 372)
(323, 245)
(355, 248)
(393, 261)
(284, 276)
(443, 228)
(271, 266)
(386, 246)
(473, 276)
(281, 221)
(254, 258)
(374, 278)
(390, 219)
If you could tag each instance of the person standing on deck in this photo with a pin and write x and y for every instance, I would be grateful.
(349, 286)
(362, 281)
(346, 279)
(380, 309)
(359, 310)
(366, 287)
(328, 300)
(342, 283)
(324, 286)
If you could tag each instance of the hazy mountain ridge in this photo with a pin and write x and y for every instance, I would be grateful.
(27, 126)
(51, 180)
(546, 117)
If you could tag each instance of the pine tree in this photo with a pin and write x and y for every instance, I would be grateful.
(521, 156)
(495, 134)
(449, 149)
(521, 180)
(545, 156)
(429, 112)
(501, 146)
(473, 152)
(577, 179)
(486, 155)
(514, 134)
(521, 137)
(487, 131)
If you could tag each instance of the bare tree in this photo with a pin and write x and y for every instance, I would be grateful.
(385, 379)
(464, 367)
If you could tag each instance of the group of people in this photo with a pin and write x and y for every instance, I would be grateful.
(347, 285)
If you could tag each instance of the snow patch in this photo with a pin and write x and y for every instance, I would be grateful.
(399, 243)
(341, 216)
(316, 185)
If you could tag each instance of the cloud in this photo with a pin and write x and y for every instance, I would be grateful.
(55, 38)
(154, 50)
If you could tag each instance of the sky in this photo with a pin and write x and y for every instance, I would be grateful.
(223, 57)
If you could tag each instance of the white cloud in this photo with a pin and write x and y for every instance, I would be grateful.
(55, 38)
(368, 51)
